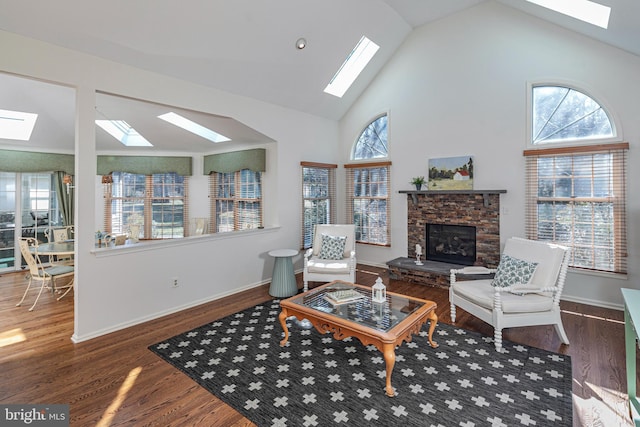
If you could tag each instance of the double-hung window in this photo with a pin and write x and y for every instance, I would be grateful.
(235, 189)
(577, 198)
(318, 198)
(236, 200)
(368, 185)
(368, 201)
(576, 195)
(157, 203)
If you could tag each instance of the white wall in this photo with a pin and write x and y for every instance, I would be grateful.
(121, 288)
(458, 87)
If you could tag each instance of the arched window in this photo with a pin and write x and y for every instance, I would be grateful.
(372, 142)
(576, 195)
(562, 114)
(368, 185)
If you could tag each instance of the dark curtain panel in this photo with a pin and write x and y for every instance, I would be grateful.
(64, 200)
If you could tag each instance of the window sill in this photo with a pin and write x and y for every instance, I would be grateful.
(149, 245)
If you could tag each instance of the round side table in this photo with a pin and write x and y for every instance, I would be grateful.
(283, 282)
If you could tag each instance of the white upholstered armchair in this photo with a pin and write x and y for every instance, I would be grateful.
(525, 291)
(332, 256)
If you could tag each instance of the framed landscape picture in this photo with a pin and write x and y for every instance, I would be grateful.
(451, 173)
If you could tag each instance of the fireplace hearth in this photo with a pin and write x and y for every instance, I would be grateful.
(451, 243)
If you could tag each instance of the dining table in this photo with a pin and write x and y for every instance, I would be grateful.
(63, 248)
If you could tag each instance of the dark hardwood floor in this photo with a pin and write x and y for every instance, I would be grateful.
(114, 380)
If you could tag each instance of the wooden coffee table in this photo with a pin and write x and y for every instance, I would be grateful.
(385, 325)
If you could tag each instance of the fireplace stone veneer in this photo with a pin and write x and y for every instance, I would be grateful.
(478, 208)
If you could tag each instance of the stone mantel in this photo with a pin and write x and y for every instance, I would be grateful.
(485, 193)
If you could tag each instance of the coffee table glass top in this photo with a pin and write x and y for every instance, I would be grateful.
(381, 316)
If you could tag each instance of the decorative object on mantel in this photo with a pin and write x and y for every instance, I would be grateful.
(451, 173)
(418, 253)
(418, 181)
(379, 291)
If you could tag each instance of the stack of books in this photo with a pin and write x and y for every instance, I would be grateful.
(345, 296)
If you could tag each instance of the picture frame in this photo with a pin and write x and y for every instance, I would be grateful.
(451, 173)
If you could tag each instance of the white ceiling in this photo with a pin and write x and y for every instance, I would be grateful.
(247, 47)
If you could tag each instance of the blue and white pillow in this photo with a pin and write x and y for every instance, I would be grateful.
(332, 247)
(513, 271)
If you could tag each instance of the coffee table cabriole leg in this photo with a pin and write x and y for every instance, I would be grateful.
(283, 322)
(432, 326)
(389, 353)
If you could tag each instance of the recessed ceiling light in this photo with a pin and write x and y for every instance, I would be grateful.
(193, 127)
(16, 125)
(301, 43)
(352, 67)
(124, 133)
(584, 10)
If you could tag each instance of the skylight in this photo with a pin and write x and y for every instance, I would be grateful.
(193, 127)
(16, 125)
(584, 10)
(120, 130)
(352, 67)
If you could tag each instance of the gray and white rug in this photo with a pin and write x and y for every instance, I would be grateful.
(316, 380)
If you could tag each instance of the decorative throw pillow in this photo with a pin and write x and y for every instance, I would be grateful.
(332, 247)
(513, 271)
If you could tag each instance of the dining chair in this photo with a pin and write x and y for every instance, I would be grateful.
(60, 234)
(37, 272)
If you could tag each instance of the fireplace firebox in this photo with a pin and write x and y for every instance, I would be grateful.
(450, 243)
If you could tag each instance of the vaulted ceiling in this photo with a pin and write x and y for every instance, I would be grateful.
(247, 47)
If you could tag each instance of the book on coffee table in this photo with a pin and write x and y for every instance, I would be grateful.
(343, 296)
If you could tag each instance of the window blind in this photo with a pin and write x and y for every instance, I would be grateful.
(235, 200)
(576, 197)
(368, 201)
(318, 198)
(157, 203)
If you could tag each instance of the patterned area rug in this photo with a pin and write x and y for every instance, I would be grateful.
(316, 380)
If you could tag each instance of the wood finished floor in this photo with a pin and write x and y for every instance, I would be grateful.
(115, 380)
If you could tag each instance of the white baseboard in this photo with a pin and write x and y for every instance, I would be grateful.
(77, 339)
(373, 264)
(595, 303)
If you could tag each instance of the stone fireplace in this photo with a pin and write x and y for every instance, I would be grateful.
(474, 208)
